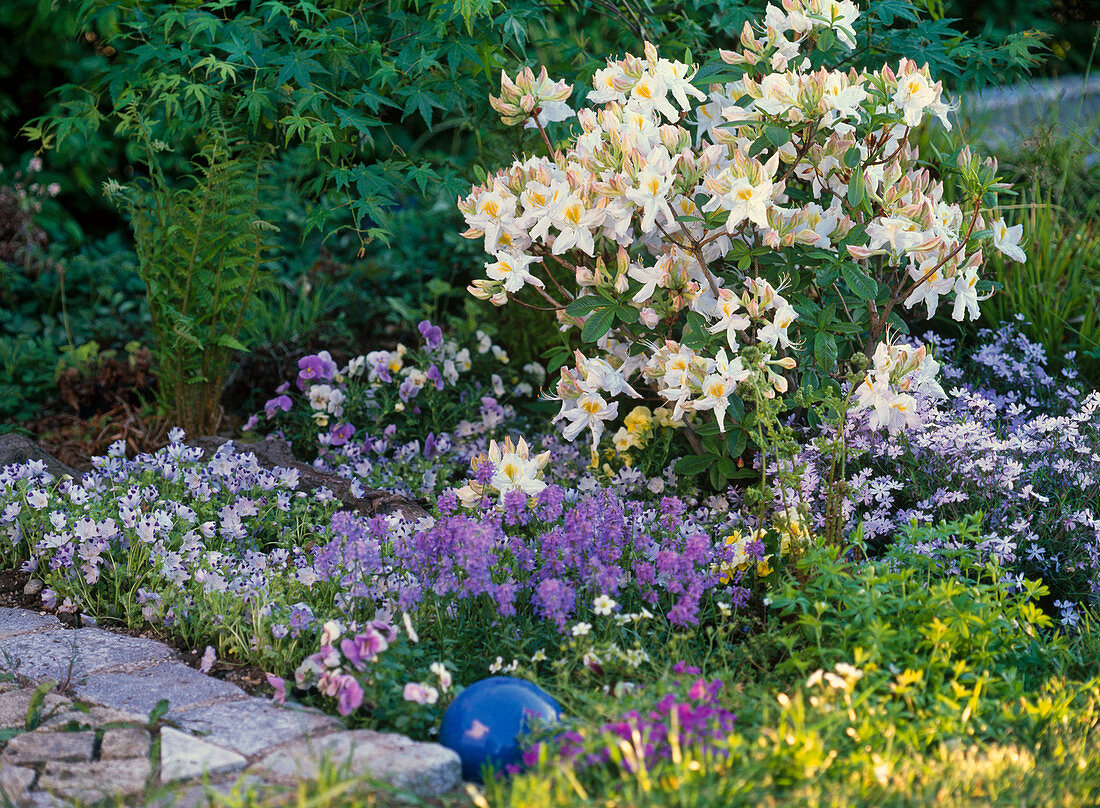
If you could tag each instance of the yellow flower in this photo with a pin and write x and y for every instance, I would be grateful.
(664, 418)
(638, 420)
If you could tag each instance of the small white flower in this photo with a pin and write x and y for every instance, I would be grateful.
(604, 605)
(581, 629)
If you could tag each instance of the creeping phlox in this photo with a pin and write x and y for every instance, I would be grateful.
(662, 202)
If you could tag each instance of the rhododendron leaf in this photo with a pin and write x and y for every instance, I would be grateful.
(759, 145)
(826, 276)
(897, 322)
(585, 305)
(825, 350)
(859, 282)
(695, 331)
(777, 135)
(626, 314)
(842, 327)
(599, 322)
(737, 440)
(693, 464)
(852, 157)
(856, 190)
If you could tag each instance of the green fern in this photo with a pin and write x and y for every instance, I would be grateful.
(202, 247)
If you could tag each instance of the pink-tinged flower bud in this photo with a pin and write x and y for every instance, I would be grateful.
(649, 317)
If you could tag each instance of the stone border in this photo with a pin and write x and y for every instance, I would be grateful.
(93, 742)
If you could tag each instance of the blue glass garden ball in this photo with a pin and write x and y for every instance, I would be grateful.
(483, 723)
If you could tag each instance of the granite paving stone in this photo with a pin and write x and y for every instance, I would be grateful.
(125, 742)
(14, 781)
(42, 747)
(93, 716)
(426, 769)
(115, 681)
(15, 703)
(43, 799)
(21, 621)
(139, 691)
(254, 725)
(185, 757)
(91, 782)
(71, 655)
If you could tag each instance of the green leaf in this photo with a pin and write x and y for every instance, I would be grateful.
(695, 331)
(852, 157)
(861, 284)
(777, 135)
(584, 305)
(158, 712)
(34, 707)
(825, 350)
(226, 341)
(598, 323)
(737, 440)
(759, 145)
(626, 314)
(841, 327)
(693, 464)
(856, 190)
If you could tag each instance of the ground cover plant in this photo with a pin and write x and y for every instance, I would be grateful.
(763, 538)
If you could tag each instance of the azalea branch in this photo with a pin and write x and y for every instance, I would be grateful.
(695, 249)
(896, 294)
(803, 150)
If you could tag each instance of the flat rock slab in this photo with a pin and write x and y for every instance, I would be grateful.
(125, 742)
(91, 782)
(32, 748)
(71, 655)
(14, 782)
(91, 716)
(425, 769)
(15, 703)
(185, 757)
(20, 621)
(254, 725)
(140, 691)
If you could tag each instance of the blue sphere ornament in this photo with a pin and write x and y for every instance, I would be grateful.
(483, 723)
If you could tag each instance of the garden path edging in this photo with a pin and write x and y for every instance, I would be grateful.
(93, 742)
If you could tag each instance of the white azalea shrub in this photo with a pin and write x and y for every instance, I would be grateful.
(718, 240)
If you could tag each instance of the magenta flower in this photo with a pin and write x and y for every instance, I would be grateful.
(278, 403)
(350, 694)
(363, 648)
(279, 683)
